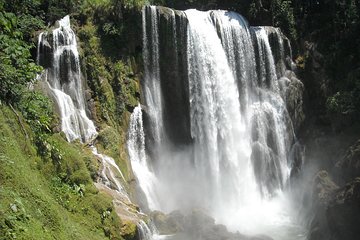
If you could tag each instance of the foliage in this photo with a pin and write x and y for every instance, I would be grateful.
(58, 9)
(37, 110)
(17, 69)
(278, 13)
(301, 62)
(51, 180)
(283, 17)
(35, 203)
(340, 102)
(28, 24)
(30, 15)
(112, 81)
(346, 101)
(335, 27)
(19, 7)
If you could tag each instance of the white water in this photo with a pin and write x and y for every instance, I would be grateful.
(238, 164)
(136, 148)
(110, 172)
(151, 87)
(64, 81)
(222, 145)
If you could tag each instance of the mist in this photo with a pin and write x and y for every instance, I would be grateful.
(214, 143)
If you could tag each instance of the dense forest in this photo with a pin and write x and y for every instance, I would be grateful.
(46, 183)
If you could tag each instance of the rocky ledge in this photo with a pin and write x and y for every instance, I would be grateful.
(195, 225)
(337, 209)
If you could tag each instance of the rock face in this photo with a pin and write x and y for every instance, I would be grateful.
(194, 226)
(323, 191)
(343, 213)
(324, 188)
(337, 210)
(316, 79)
(173, 74)
(168, 224)
(292, 89)
(266, 163)
(350, 163)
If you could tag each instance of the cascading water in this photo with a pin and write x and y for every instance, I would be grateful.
(57, 52)
(137, 155)
(221, 144)
(231, 156)
(64, 80)
(152, 71)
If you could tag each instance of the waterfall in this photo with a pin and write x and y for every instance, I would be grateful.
(230, 152)
(151, 86)
(137, 155)
(64, 80)
(57, 53)
(109, 174)
(217, 125)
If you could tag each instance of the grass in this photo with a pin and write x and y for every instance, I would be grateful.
(40, 199)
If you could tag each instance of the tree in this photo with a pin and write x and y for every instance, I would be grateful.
(16, 66)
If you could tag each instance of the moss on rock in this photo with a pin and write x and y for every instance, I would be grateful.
(129, 230)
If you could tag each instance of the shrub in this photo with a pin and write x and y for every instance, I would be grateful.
(37, 109)
(16, 66)
(340, 102)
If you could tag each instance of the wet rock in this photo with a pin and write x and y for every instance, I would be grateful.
(349, 165)
(168, 224)
(324, 190)
(297, 155)
(266, 165)
(203, 227)
(343, 213)
(294, 101)
(91, 105)
(280, 47)
(88, 94)
(315, 78)
(173, 74)
(45, 53)
(129, 230)
(197, 225)
(168, 13)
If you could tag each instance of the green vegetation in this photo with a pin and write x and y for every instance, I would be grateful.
(111, 50)
(17, 68)
(334, 26)
(44, 199)
(278, 13)
(46, 184)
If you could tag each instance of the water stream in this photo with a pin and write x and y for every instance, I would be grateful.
(57, 52)
(236, 161)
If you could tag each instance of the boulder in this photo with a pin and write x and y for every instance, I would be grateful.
(168, 224)
(324, 188)
(196, 225)
(129, 230)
